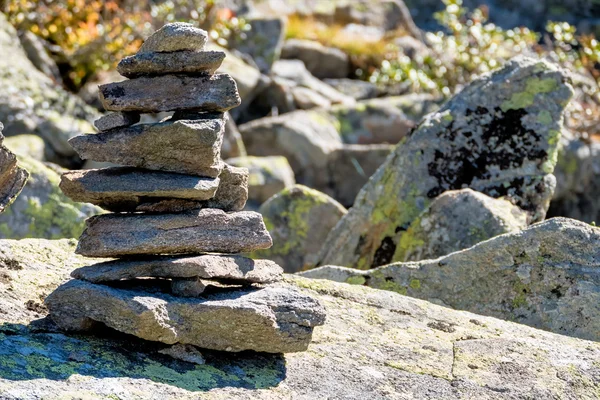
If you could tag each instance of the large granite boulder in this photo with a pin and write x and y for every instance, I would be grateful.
(32, 103)
(456, 220)
(546, 276)
(323, 62)
(397, 347)
(499, 136)
(42, 210)
(298, 219)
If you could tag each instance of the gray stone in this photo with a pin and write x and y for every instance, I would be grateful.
(322, 62)
(180, 62)
(36, 50)
(304, 138)
(298, 219)
(123, 189)
(116, 120)
(272, 320)
(184, 146)
(305, 98)
(231, 195)
(350, 167)
(262, 41)
(176, 36)
(216, 93)
(233, 145)
(188, 287)
(184, 352)
(498, 136)
(41, 210)
(267, 176)
(358, 90)
(12, 177)
(225, 268)
(456, 220)
(546, 276)
(400, 347)
(207, 230)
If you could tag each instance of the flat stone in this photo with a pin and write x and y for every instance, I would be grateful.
(184, 146)
(181, 62)
(271, 320)
(223, 268)
(116, 120)
(231, 195)
(188, 287)
(207, 230)
(122, 189)
(184, 352)
(176, 36)
(171, 92)
(12, 177)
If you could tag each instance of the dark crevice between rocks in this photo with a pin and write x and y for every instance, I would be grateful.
(385, 253)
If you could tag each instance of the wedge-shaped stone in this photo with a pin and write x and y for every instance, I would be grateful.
(272, 320)
(176, 36)
(231, 195)
(171, 92)
(184, 146)
(181, 62)
(232, 268)
(124, 188)
(116, 120)
(208, 230)
(12, 178)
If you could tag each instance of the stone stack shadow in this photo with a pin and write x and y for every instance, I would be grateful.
(176, 222)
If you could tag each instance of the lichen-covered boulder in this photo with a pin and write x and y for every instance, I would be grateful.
(398, 347)
(298, 219)
(32, 103)
(546, 276)
(262, 41)
(42, 210)
(27, 145)
(267, 176)
(456, 220)
(498, 136)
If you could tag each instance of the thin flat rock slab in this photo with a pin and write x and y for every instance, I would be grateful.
(204, 231)
(181, 62)
(272, 320)
(187, 146)
(176, 36)
(231, 195)
(12, 177)
(223, 268)
(215, 93)
(122, 189)
(116, 120)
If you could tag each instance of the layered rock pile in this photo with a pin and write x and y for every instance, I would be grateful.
(174, 200)
(12, 177)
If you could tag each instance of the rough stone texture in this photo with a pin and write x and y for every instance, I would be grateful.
(267, 176)
(31, 103)
(231, 195)
(399, 347)
(190, 146)
(42, 210)
(498, 136)
(26, 145)
(546, 276)
(231, 268)
(184, 352)
(577, 180)
(456, 220)
(215, 93)
(350, 167)
(123, 189)
(176, 36)
(207, 230)
(304, 138)
(298, 220)
(116, 120)
(233, 145)
(262, 42)
(272, 320)
(188, 287)
(181, 62)
(322, 62)
(12, 176)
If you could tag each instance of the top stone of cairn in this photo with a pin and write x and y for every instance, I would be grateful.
(178, 36)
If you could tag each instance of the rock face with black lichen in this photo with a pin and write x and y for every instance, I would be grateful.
(499, 136)
(175, 197)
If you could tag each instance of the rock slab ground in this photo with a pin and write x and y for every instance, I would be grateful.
(375, 344)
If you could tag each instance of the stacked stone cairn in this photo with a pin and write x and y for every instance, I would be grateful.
(175, 206)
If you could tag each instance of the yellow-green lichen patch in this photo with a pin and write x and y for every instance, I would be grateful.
(356, 280)
(526, 98)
